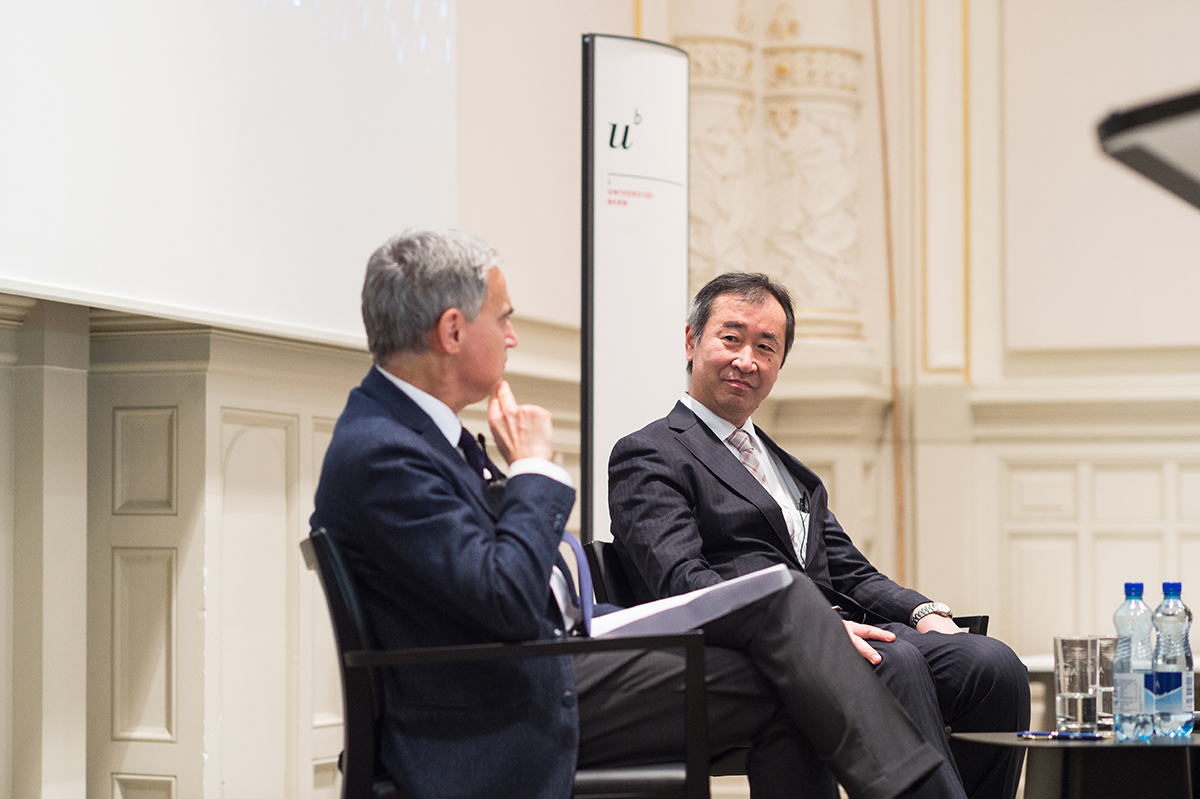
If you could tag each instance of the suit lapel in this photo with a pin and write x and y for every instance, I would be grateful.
(818, 499)
(409, 414)
(712, 453)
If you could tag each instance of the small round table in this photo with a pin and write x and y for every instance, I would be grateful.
(1057, 769)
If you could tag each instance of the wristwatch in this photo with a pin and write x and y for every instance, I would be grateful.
(922, 611)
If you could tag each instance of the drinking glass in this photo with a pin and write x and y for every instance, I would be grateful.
(1102, 681)
(1076, 659)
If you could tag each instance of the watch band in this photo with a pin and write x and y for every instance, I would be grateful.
(936, 608)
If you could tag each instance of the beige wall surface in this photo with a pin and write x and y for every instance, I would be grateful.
(519, 139)
(1096, 255)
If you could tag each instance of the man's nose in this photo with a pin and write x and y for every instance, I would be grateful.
(744, 360)
(510, 335)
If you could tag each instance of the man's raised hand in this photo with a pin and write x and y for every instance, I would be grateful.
(520, 431)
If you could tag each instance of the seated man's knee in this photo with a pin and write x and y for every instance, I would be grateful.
(995, 682)
(996, 663)
(900, 660)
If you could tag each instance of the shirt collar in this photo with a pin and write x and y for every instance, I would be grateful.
(443, 417)
(721, 428)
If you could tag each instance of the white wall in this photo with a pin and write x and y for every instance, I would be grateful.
(1096, 256)
(519, 140)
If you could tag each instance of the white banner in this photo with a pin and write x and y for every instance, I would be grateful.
(635, 247)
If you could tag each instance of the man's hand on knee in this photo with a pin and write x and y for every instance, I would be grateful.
(861, 633)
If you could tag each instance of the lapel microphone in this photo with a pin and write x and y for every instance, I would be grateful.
(495, 484)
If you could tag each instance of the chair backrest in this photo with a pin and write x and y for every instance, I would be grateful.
(608, 574)
(360, 687)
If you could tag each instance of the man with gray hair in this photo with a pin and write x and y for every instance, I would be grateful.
(445, 553)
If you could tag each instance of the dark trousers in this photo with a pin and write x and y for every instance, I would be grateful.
(971, 683)
(783, 678)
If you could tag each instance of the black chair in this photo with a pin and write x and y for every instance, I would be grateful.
(361, 694)
(611, 584)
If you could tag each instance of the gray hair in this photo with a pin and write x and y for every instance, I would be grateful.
(415, 278)
(752, 287)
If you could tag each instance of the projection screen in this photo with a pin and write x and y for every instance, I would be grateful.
(230, 162)
(635, 249)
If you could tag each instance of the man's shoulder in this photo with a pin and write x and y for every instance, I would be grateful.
(654, 436)
(368, 425)
(669, 426)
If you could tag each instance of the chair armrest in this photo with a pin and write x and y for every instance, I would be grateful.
(692, 644)
(977, 625)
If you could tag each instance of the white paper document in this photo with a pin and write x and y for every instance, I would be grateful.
(676, 614)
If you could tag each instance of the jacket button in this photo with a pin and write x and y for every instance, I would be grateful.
(557, 633)
(569, 699)
(559, 521)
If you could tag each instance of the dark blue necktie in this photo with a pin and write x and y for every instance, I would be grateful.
(474, 455)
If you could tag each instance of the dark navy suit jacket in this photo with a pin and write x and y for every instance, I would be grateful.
(438, 562)
(687, 514)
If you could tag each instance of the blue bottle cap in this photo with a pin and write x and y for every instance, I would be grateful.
(1133, 590)
(1172, 589)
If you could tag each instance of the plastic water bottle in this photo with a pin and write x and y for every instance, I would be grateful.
(1133, 668)
(1174, 681)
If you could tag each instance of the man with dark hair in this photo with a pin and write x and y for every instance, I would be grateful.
(443, 555)
(704, 496)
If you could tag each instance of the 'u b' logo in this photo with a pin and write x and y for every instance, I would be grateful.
(612, 138)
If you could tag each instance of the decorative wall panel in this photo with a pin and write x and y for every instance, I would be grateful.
(327, 780)
(327, 682)
(1127, 493)
(1189, 492)
(1038, 494)
(1117, 559)
(143, 656)
(141, 786)
(1187, 569)
(722, 203)
(1043, 573)
(258, 490)
(144, 460)
(1077, 530)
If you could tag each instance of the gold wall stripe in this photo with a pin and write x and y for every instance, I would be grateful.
(966, 99)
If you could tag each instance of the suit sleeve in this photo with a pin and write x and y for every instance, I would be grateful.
(853, 576)
(420, 541)
(651, 503)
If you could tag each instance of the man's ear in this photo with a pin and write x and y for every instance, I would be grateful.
(447, 335)
(689, 347)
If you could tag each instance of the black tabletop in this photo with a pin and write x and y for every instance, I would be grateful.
(1012, 739)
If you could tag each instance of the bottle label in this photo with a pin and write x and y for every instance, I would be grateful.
(1169, 691)
(1129, 694)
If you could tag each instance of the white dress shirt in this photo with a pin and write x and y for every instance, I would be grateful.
(780, 484)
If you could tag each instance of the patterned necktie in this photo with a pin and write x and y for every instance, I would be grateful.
(741, 441)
